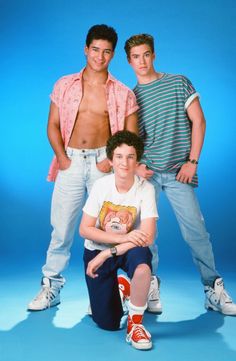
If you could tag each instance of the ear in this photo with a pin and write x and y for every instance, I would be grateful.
(110, 162)
(86, 50)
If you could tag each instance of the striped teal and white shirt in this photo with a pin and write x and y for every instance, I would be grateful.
(163, 122)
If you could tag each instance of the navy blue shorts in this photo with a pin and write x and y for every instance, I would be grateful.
(104, 291)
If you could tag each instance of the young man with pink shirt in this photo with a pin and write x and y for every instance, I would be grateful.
(86, 108)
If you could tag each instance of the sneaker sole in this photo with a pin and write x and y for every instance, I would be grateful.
(156, 312)
(143, 347)
(213, 308)
(42, 309)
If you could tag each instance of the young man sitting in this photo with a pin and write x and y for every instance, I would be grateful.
(119, 225)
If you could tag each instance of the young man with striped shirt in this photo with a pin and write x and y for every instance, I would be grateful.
(172, 125)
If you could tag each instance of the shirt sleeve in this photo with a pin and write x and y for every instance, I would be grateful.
(55, 95)
(189, 92)
(58, 90)
(148, 205)
(131, 104)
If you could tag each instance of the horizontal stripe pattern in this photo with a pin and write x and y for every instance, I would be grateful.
(163, 122)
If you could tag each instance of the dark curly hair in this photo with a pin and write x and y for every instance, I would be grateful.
(102, 32)
(124, 137)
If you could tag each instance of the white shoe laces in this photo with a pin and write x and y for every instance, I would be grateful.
(140, 332)
(224, 297)
(154, 291)
(45, 293)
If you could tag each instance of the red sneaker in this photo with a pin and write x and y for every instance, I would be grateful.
(137, 335)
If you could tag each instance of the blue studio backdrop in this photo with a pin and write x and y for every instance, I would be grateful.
(43, 40)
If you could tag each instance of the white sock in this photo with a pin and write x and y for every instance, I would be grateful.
(136, 310)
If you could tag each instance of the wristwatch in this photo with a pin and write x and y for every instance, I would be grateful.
(193, 161)
(113, 251)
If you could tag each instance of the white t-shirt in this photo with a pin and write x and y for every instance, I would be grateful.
(119, 212)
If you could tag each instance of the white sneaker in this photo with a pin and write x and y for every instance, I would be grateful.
(89, 310)
(154, 303)
(48, 297)
(217, 299)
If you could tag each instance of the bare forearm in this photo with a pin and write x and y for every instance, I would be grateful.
(198, 133)
(99, 236)
(197, 118)
(55, 139)
(138, 237)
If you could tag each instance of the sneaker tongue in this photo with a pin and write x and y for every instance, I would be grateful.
(219, 285)
(46, 282)
(137, 319)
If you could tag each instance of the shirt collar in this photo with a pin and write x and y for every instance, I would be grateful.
(79, 76)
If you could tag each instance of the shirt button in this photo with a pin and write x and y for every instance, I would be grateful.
(85, 157)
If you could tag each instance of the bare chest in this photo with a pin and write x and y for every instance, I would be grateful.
(94, 100)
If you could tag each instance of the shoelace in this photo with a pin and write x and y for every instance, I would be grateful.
(224, 296)
(140, 332)
(154, 294)
(47, 293)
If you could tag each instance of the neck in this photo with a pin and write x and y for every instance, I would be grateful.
(123, 185)
(149, 77)
(94, 77)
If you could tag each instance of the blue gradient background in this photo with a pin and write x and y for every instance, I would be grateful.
(41, 41)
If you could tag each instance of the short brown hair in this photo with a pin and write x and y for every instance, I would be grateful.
(138, 39)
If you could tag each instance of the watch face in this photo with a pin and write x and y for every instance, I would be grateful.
(113, 251)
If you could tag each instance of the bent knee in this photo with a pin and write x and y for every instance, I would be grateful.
(142, 270)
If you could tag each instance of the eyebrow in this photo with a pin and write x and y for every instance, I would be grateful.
(124, 154)
(106, 49)
(146, 52)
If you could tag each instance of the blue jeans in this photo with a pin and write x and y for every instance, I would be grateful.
(186, 208)
(68, 197)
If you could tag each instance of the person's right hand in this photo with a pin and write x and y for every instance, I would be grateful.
(64, 163)
(137, 237)
(143, 171)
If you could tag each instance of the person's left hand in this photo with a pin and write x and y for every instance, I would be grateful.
(186, 173)
(95, 263)
(104, 166)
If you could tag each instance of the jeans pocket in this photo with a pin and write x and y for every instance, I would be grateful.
(67, 169)
(101, 155)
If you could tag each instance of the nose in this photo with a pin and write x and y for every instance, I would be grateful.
(100, 55)
(124, 161)
(141, 60)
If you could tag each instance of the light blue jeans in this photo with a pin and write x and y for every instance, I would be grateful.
(68, 197)
(186, 208)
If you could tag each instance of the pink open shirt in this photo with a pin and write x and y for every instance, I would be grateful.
(67, 95)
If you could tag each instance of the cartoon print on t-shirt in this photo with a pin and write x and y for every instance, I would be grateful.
(117, 218)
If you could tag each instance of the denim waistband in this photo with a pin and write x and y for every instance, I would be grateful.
(95, 151)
